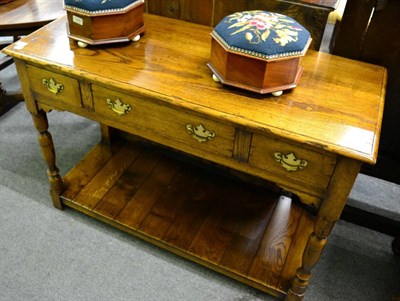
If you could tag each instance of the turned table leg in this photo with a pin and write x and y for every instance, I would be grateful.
(311, 256)
(331, 208)
(49, 155)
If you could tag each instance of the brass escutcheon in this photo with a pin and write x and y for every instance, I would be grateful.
(119, 107)
(52, 85)
(290, 162)
(200, 133)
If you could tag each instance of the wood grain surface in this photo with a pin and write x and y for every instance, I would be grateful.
(241, 230)
(28, 14)
(331, 121)
(165, 64)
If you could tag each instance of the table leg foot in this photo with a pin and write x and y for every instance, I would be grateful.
(215, 78)
(82, 44)
(55, 197)
(136, 38)
(277, 93)
(291, 296)
(315, 245)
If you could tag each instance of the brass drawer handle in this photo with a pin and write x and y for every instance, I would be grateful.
(119, 107)
(200, 133)
(290, 162)
(52, 85)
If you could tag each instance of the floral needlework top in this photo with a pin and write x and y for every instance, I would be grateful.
(257, 26)
(262, 33)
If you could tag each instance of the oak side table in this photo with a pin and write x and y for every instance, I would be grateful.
(158, 95)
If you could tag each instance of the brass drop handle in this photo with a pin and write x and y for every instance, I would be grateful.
(200, 133)
(119, 107)
(290, 162)
(52, 85)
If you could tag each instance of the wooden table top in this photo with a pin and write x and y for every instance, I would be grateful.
(337, 106)
(29, 13)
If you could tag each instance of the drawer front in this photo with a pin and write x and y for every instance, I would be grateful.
(186, 131)
(53, 88)
(291, 162)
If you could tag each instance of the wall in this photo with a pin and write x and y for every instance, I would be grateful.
(312, 14)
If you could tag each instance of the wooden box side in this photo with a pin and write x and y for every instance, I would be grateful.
(282, 72)
(218, 58)
(115, 26)
(245, 70)
(79, 25)
(103, 27)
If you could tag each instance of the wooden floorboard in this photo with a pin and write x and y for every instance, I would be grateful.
(255, 217)
(294, 257)
(160, 218)
(217, 230)
(192, 215)
(141, 204)
(246, 232)
(271, 256)
(77, 178)
(105, 179)
(128, 184)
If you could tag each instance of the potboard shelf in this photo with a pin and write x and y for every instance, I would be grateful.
(244, 231)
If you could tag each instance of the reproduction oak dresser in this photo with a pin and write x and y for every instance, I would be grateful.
(188, 168)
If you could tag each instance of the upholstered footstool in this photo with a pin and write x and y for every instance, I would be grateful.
(259, 51)
(96, 22)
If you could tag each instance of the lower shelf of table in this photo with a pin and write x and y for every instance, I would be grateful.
(244, 231)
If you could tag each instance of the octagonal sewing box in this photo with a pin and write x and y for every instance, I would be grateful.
(96, 22)
(258, 51)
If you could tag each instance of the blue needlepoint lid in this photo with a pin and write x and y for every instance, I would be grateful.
(93, 7)
(262, 34)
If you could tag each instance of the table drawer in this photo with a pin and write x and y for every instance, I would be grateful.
(53, 88)
(186, 131)
(291, 162)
